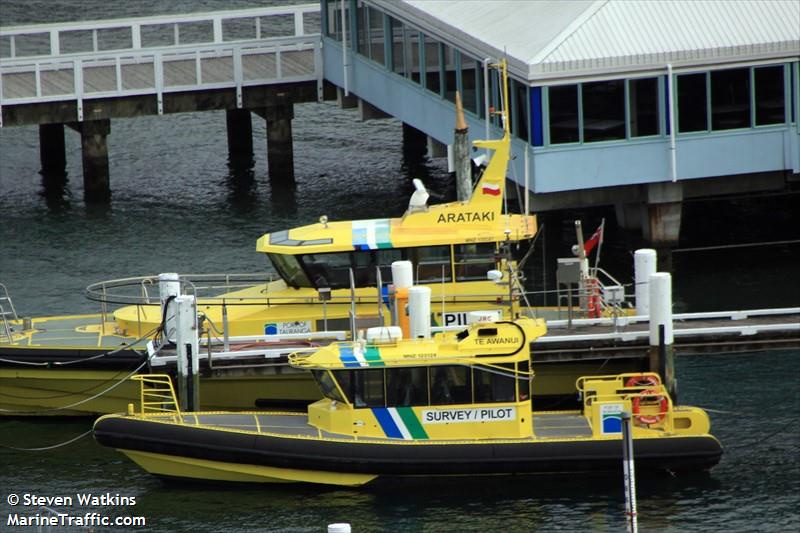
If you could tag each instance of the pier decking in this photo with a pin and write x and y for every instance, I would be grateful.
(84, 74)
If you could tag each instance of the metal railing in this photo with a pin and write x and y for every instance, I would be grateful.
(156, 394)
(4, 297)
(113, 58)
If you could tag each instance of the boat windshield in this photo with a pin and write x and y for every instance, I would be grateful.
(326, 385)
(289, 269)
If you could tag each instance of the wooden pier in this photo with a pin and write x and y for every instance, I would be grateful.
(695, 333)
(85, 74)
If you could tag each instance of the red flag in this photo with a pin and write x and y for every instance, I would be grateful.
(596, 237)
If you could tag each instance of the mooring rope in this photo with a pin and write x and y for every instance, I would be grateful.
(45, 448)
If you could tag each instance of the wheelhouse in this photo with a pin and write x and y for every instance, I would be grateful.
(433, 264)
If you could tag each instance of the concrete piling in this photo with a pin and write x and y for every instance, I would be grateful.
(94, 145)
(280, 150)
(240, 134)
(52, 153)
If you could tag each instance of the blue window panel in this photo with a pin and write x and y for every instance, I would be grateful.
(536, 116)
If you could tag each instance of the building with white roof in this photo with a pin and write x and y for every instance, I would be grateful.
(635, 103)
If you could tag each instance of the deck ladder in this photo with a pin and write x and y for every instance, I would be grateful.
(5, 298)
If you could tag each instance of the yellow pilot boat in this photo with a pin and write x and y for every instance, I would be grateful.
(458, 404)
(328, 273)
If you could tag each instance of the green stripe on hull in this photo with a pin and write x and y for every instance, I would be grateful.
(412, 423)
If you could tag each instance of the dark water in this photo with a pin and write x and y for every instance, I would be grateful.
(177, 206)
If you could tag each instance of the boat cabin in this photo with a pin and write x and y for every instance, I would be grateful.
(471, 384)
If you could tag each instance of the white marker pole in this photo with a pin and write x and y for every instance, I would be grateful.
(629, 473)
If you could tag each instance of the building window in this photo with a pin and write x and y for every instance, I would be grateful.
(450, 77)
(362, 29)
(536, 116)
(730, 99)
(432, 64)
(398, 50)
(769, 95)
(563, 109)
(519, 92)
(376, 45)
(411, 43)
(603, 110)
(692, 103)
(333, 26)
(643, 98)
(469, 83)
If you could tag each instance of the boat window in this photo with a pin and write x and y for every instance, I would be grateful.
(524, 381)
(327, 385)
(384, 259)
(432, 263)
(494, 384)
(290, 270)
(406, 386)
(769, 97)
(473, 261)
(450, 384)
(363, 388)
(328, 270)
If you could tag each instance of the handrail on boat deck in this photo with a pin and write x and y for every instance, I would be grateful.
(159, 398)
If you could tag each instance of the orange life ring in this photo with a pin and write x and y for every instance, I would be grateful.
(643, 380)
(650, 419)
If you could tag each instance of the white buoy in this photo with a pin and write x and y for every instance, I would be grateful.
(188, 347)
(168, 285)
(644, 265)
(660, 293)
(339, 528)
(419, 312)
(402, 274)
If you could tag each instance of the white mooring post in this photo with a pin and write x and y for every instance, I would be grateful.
(629, 473)
(661, 336)
(169, 284)
(188, 347)
(339, 528)
(644, 265)
(419, 312)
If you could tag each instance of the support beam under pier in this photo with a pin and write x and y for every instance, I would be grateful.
(280, 150)
(240, 135)
(52, 152)
(664, 208)
(96, 186)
